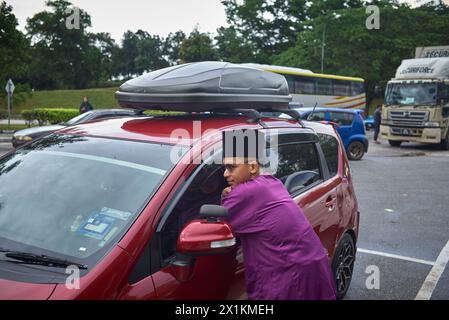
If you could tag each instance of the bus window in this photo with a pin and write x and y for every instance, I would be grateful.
(305, 85)
(290, 82)
(342, 88)
(324, 87)
(357, 88)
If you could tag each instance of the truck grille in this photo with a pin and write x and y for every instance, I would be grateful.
(408, 118)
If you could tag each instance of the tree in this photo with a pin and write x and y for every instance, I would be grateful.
(197, 47)
(103, 48)
(172, 46)
(14, 53)
(272, 26)
(61, 57)
(353, 50)
(149, 53)
(233, 48)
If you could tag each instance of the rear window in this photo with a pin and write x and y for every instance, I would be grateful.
(342, 118)
(329, 145)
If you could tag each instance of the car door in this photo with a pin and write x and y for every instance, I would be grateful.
(316, 196)
(213, 275)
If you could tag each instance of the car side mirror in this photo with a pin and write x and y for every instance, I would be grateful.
(213, 212)
(202, 237)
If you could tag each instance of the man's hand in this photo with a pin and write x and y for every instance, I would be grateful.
(225, 192)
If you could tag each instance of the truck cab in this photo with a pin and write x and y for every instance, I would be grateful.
(416, 107)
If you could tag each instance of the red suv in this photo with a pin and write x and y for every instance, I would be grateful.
(115, 209)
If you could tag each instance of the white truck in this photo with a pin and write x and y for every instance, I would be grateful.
(416, 106)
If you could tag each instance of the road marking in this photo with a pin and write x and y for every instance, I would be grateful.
(390, 255)
(425, 293)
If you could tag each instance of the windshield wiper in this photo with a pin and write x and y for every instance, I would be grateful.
(43, 260)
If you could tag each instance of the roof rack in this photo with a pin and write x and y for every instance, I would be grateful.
(253, 114)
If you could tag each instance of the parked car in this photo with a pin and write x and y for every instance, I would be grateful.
(369, 122)
(350, 127)
(115, 209)
(21, 137)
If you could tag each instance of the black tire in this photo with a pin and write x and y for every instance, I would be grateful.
(356, 150)
(394, 143)
(343, 265)
(445, 142)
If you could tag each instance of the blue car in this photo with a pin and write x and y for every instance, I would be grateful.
(369, 122)
(350, 127)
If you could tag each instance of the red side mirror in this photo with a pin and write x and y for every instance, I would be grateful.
(203, 237)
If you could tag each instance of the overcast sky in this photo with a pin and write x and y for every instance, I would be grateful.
(158, 17)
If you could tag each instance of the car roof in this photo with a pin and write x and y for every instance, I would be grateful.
(181, 129)
(309, 109)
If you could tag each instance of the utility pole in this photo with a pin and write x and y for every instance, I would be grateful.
(322, 48)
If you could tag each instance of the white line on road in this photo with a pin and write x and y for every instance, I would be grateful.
(425, 293)
(390, 255)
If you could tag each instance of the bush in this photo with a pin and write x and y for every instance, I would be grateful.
(3, 114)
(53, 116)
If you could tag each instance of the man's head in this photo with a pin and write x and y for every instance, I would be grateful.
(85, 98)
(238, 171)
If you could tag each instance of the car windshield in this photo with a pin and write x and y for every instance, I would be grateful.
(411, 94)
(73, 197)
(78, 119)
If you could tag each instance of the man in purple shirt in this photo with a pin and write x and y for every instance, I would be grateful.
(284, 258)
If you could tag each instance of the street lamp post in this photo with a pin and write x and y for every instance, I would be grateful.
(322, 48)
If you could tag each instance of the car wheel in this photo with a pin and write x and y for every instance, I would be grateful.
(343, 265)
(445, 142)
(394, 143)
(356, 150)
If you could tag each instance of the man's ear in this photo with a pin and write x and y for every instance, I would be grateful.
(254, 167)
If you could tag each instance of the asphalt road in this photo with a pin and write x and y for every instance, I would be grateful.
(404, 226)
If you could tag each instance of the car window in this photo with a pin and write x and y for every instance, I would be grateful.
(329, 145)
(82, 117)
(316, 116)
(298, 166)
(342, 118)
(205, 188)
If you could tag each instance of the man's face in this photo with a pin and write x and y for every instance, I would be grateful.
(236, 171)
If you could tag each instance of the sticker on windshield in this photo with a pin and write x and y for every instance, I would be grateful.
(114, 213)
(408, 100)
(97, 226)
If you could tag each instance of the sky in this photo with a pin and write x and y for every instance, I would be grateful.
(157, 17)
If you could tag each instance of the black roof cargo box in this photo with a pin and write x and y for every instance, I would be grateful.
(205, 86)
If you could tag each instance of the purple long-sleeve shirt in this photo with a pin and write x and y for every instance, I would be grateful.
(283, 256)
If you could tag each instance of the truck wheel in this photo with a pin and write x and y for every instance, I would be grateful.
(356, 150)
(394, 143)
(445, 142)
(343, 265)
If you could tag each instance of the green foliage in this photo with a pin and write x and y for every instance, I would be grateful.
(233, 48)
(54, 116)
(197, 47)
(353, 50)
(3, 114)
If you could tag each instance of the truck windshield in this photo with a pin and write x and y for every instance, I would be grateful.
(411, 94)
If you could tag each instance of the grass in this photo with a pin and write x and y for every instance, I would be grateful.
(13, 127)
(101, 98)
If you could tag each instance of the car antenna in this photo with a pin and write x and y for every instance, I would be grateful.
(310, 115)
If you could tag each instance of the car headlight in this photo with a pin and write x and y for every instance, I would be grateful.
(23, 138)
(431, 124)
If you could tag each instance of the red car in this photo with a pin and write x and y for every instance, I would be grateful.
(115, 209)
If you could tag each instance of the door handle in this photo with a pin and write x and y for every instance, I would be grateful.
(330, 203)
